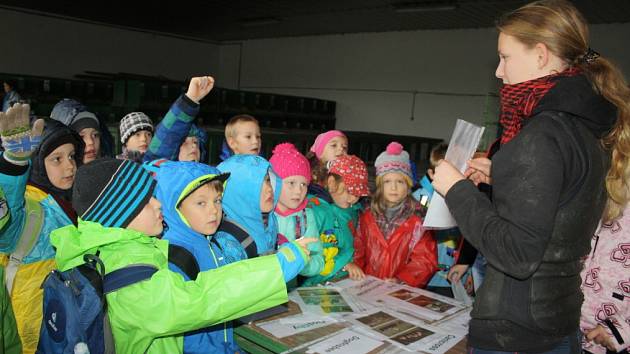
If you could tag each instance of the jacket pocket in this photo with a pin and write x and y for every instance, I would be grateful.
(491, 299)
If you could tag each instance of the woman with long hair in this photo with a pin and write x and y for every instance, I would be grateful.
(564, 111)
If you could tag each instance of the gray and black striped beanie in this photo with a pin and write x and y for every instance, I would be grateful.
(111, 192)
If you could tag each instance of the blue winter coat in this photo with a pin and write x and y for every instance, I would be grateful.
(176, 125)
(241, 204)
(172, 179)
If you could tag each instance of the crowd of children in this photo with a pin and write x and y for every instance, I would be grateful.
(248, 225)
(210, 245)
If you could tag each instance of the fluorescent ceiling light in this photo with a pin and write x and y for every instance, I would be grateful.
(424, 7)
(260, 21)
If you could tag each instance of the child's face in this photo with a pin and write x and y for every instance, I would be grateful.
(395, 188)
(337, 146)
(189, 150)
(293, 192)
(340, 194)
(203, 210)
(139, 141)
(61, 166)
(246, 139)
(266, 196)
(92, 139)
(149, 221)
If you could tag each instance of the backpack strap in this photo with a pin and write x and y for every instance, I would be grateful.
(33, 223)
(241, 235)
(184, 260)
(131, 274)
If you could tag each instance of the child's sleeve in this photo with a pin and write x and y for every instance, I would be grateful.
(172, 130)
(13, 180)
(168, 305)
(422, 263)
(316, 263)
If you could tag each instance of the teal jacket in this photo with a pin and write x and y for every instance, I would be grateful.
(13, 216)
(152, 316)
(306, 222)
(339, 222)
(15, 201)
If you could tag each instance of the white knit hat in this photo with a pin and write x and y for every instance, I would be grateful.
(132, 123)
(393, 159)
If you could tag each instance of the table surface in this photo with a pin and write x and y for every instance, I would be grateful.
(254, 339)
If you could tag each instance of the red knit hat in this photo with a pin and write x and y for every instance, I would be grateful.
(288, 161)
(354, 173)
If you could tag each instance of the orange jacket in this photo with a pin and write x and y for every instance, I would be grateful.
(409, 253)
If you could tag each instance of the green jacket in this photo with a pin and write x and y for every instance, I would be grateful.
(9, 338)
(151, 316)
(341, 222)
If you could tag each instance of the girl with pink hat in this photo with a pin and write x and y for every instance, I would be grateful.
(295, 220)
(327, 147)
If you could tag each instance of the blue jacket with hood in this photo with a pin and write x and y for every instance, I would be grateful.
(172, 180)
(241, 205)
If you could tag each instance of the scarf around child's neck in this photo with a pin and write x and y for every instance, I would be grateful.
(288, 211)
(519, 100)
(392, 217)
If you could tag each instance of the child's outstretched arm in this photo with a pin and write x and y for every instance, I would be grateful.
(174, 127)
(168, 305)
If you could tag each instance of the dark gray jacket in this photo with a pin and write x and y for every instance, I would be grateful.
(548, 195)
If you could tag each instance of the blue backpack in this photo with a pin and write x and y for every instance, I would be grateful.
(75, 310)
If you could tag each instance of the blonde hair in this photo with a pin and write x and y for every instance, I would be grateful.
(562, 28)
(378, 204)
(230, 127)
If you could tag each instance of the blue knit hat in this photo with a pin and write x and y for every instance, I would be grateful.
(111, 192)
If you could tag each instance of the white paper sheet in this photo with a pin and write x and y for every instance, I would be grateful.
(405, 332)
(347, 341)
(422, 304)
(288, 326)
(461, 148)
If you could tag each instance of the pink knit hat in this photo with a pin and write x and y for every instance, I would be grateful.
(353, 172)
(323, 139)
(288, 161)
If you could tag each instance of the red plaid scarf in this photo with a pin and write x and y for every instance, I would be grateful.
(518, 101)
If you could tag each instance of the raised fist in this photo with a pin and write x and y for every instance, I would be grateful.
(199, 87)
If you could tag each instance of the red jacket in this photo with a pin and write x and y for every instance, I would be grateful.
(409, 253)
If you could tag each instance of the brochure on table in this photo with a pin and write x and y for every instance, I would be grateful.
(371, 316)
(426, 305)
